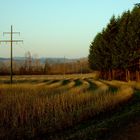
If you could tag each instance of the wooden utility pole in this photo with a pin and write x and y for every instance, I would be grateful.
(64, 66)
(11, 41)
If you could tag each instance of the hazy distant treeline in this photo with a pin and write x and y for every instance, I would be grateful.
(33, 66)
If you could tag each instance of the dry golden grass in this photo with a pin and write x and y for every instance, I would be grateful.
(41, 78)
(39, 107)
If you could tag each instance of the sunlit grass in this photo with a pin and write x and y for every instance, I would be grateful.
(36, 108)
(41, 78)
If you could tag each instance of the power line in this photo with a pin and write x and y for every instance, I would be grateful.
(11, 41)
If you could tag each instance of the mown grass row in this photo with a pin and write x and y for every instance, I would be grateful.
(43, 78)
(27, 110)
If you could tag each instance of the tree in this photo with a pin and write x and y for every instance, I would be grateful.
(47, 67)
(117, 47)
(28, 62)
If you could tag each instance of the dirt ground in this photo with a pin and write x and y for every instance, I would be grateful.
(131, 132)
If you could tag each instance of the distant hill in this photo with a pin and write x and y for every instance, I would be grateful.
(43, 59)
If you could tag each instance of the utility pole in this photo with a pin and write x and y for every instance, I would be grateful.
(81, 69)
(11, 41)
(64, 67)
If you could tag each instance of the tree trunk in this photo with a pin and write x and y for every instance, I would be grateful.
(127, 75)
(137, 76)
(113, 74)
(109, 75)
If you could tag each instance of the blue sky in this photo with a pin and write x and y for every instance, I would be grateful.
(57, 28)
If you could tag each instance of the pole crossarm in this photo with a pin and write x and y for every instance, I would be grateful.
(5, 41)
(11, 41)
(10, 33)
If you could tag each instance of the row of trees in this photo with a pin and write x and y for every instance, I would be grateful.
(33, 66)
(115, 51)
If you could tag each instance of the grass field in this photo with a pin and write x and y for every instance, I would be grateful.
(65, 107)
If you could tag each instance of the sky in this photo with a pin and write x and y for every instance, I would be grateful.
(56, 28)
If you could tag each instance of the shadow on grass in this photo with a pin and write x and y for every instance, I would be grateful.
(65, 82)
(78, 82)
(52, 82)
(111, 89)
(92, 86)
